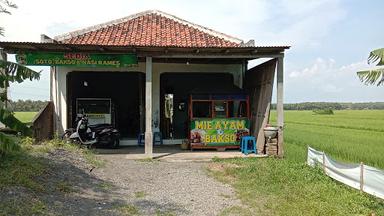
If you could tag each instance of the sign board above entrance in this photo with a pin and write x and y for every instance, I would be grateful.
(76, 59)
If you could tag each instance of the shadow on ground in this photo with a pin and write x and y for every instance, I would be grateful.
(69, 187)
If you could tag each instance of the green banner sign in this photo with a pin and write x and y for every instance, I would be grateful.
(218, 131)
(77, 59)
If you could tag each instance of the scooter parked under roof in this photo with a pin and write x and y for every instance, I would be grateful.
(99, 135)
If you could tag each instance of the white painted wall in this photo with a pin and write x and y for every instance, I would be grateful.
(59, 84)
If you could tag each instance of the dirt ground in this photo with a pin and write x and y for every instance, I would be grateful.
(126, 187)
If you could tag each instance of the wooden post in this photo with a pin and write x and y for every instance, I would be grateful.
(325, 171)
(361, 177)
(3, 56)
(148, 108)
(279, 105)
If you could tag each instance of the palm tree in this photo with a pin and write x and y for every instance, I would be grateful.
(12, 72)
(370, 77)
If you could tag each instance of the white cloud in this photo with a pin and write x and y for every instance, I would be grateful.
(304, 24)
(330, 88)
(319, 66)
(324, 81)
(299, 23)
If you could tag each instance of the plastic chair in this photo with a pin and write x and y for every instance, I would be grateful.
(141, 139)
(157, 138)
(248, 145)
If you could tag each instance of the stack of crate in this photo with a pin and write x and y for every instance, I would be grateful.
(271, 147)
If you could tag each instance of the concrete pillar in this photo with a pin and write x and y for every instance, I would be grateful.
(148, 108)
(280, 104)
(53, 95)
(59, 95)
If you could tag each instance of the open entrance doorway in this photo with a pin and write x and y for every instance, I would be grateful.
(179, 86)
(109, 97)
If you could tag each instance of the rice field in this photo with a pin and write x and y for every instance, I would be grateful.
(348, 135)
(25, 117)
(288, 186)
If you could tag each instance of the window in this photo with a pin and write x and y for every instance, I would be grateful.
(202, 109)
(231, 110)
(242, 110)
(238, 109)
(220, 109)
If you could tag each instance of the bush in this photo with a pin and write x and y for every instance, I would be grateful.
(27, 142)
(8, 144)
(323, 111)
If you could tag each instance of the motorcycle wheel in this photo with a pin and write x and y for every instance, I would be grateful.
(65, 137)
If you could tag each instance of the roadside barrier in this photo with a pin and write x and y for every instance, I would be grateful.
(359, 176)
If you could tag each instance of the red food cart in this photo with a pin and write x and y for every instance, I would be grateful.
(218, 120)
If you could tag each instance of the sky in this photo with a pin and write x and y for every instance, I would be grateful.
(330, 39)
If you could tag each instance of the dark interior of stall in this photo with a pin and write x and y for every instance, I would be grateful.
(175, 89)
(123, 90)
(230, 102)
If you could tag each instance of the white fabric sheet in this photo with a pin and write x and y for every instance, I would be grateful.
(349, 174)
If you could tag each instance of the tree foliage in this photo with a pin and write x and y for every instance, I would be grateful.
(374, 76)
(10, 73)
(5, 7)
(16, 73)
(27, 105)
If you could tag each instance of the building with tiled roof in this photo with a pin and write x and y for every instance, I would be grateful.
(129, 72)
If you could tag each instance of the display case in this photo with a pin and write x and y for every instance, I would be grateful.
(98, 110)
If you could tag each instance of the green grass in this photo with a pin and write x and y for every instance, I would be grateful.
(128, 210)
(26, 168)
(348, 135)
(25, 117)
(164, 213)
(64, 187)
(20, 170)
(23, 207)
(21, 167)
(105, 186)
(140, 194)
(289, 187)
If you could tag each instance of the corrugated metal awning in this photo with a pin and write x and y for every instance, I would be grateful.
(154, 51)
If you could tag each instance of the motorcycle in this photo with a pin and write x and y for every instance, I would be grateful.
(100, 135)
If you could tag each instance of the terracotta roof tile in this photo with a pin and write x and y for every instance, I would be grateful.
(150, 28)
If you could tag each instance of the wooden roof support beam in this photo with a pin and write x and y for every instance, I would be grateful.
(238, 56)
(280, 105)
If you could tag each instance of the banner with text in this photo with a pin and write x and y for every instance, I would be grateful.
(218, 131)
(76, 59)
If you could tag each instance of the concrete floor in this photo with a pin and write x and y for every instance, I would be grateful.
(173, 153)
